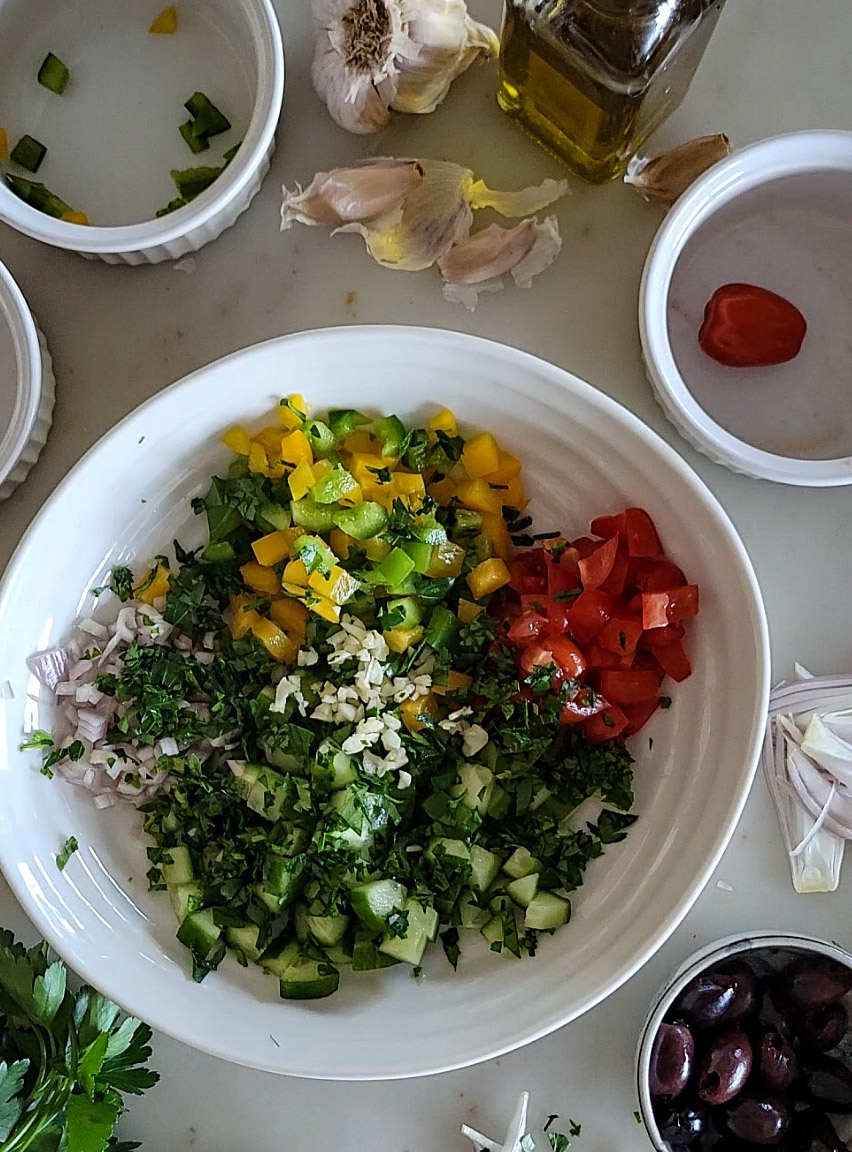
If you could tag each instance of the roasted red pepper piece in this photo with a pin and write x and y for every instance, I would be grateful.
(746, 326)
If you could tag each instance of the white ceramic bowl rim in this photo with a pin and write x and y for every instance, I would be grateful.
(748, 168)
(268, 46)
(27, 383)
(719, 950)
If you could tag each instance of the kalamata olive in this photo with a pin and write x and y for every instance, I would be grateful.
(827, 1083)
(757, 1119)
(705, 999)
(672, 1060)
(812, 1131)
(772, 1011)
(744, 1003)
(680, 1125)
(725, 1067)
(821, 1028)
(775, 1062)
(809, 981)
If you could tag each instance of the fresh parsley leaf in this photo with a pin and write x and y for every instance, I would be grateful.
(558, 1141)
(68, 849)
(11, 1099)
(37, 739)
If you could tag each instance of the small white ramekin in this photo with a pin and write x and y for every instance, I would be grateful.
(715, 953)
(30, 375)
(793, 154)
(212, 211)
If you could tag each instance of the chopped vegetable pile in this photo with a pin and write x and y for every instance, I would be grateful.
(66, 1058)
(373, 710)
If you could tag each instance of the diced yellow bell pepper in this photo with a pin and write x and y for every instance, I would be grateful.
(365, 466)
(278, 644)
(272, 548)
(494, 527)
(260, 579)
(507, 469)
(271, 439)
(296, 573)
(480, 455)
(166, 23)
(361, 441)
(4, 145)
(295, 591)
(257, 458)
(340, 543)
(401, 639)
(352, 497)
(158, 587)
(338, 586)
(455, 680)
(289, 614)
(447, 560)
(287, 416)
(301, 480)
(237, 439)
(468, 611)
(241, 617)
(293, 533)
(411, 710)
(409, 484)
(376, 548)
(487, 577)
(477, 496)
(512, 493)
(75, 217)
(295, 447)
(322, 468)
(323, 607)
(443, 490)
(444, 421)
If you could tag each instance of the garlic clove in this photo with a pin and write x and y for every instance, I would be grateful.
(523, 202)
(435, 215)
(364, 191)
(545, 249)
(478, 264)
(663, 178)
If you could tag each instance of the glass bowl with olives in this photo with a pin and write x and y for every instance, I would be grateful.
(749, 1046)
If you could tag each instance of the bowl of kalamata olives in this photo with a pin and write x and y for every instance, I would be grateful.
(749, 1046)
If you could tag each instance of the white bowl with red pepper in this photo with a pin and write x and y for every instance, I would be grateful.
(743, 310)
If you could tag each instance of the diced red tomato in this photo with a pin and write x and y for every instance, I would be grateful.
(529, 625)
(568, 656)
(563, 575)
(655, 609)
(595, 567)
(528, 572)
(606, 526)
(656, 575)
(663, 637)
(598, 657)
(639, 714)
(674, 661)
(617, 579)
(633, 686)
(584, 546)
(605, 725)
(589, 613)
(583, 705)
(683, 603)
(642, 538)
(621, 634)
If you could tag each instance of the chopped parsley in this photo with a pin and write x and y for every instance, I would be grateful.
(67, 851)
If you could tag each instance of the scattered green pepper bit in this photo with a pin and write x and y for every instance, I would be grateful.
(206, 117)
(191, 182)
(29, 153)
(53, 74)
(38, 196)
(196, 143)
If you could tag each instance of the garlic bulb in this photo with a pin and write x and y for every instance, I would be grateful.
(377, 56)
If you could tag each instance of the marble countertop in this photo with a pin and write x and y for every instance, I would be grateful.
(119, 335)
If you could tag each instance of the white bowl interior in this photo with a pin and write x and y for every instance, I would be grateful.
(792, 235)
(113, 138)
(583, 455)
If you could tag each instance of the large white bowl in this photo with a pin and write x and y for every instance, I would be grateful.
(584, 455)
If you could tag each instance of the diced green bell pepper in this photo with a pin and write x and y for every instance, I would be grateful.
(443, 628)
(333, 486)
(342, 421)
(315, 517)
(390, 432)
(319, 436)
(420, 553)
(394, 568)
(363, 521)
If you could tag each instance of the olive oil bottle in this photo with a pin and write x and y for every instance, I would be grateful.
(592, 79)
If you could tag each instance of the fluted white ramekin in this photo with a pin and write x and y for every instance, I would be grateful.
(29, 387)
(219, 206)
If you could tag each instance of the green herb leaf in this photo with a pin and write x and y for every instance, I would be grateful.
(11, 1103)
(89, 1123)
(68, 849)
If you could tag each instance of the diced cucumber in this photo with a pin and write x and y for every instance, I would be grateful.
(218, 553)
(244, 940)
(283, 880)
(423, 924)
(523, 890)
(500, 804)
(456, 848)
(470, 914)
(501, 931)
(492, 930)
(410, 608)
(309, 978)
(327, 929)
(477, 784)
(361, 522)
(467, 522)
(367, 957)
(278, 959)
(264, 790)
(374, 901)
(276, 516)
(285, 761)
(334, 769)
(200, 934)
(521, 863)
(342, 952)
(547, 910)
(176, 866)
(484, 866)
(299, 920)
(315, 517)
(333, 486)
(184, 898)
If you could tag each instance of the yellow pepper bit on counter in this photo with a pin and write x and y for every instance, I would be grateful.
(166, 23)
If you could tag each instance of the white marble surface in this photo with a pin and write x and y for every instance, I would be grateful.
(119, 335)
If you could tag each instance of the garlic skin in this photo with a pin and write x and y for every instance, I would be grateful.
(377, 56)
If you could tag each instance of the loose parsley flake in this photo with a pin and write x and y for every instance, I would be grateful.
(68, 849)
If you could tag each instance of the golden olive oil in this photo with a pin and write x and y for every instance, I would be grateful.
(592, 79)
